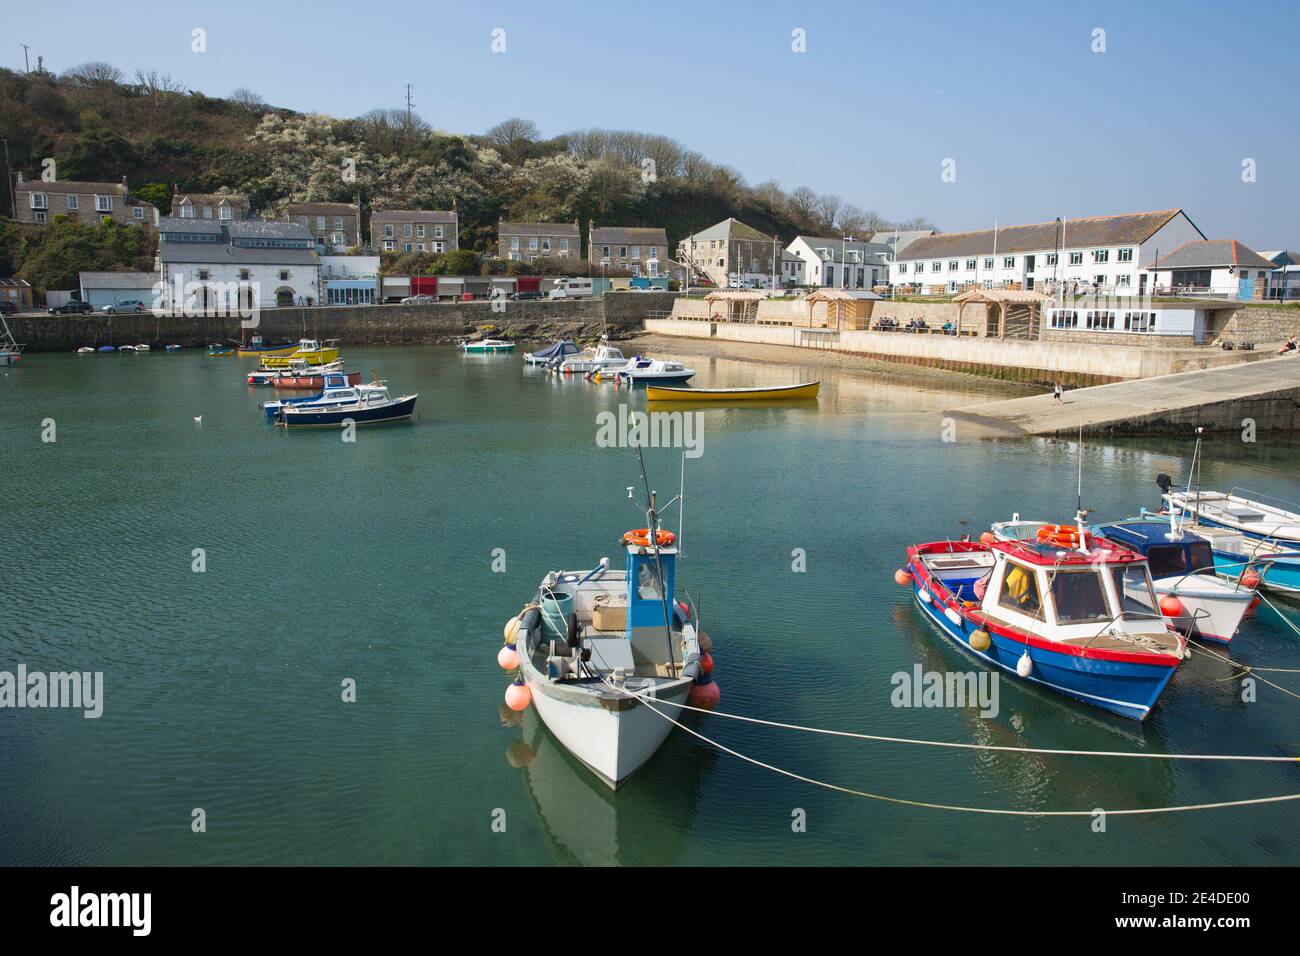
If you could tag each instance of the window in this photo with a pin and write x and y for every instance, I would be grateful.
(40, 215)
(407, 230)
(419, 230)
(1076, 258)
(204, 275)
(936, 266)
(1052, 258)
(1123, 282)
(338, 222)
(636, 253)
(284, 275)
(1101, 255)
(902, 267)
(564, 246)
(187, 211)
(103, 204)
(72, 201)
(1125, 255)
(226, 211)
(1176, 559)
(338, 238)
(320, 222)
(970, 265)
(437, 232)
(952, 265)
(920, 267)
(988, 262)
(406, 247)
(830, 275)
(1079, 598)
(1008, 262)
(532, 245)
(388, 234)
(40, 201)
(439, 247)
(514, 243)
(546, 245)
(419, 247)
(1133, 585)
(1020, 591)
(388, 245)
(243, 275)
(138, 213)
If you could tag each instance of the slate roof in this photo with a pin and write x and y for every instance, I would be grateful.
(629, 236)
(215, 252)
(537, 229)
(322, 209)
(266, 229)
(412, 215)
(837, 246)
(119, 280)
(71, 186)
(168, 224)
(1100, 231)
(1210, 253)
(730, 229)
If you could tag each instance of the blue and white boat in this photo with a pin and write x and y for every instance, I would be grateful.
(337, 391)
(1073, 613)
(372, 406)
(642, 371)
(554, 353)
(1183, 567)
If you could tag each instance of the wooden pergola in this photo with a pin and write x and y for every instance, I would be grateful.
(740, 305)
(1015, 307)
(841, 308)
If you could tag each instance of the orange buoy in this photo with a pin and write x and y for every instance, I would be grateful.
(518, 696)
(1170, 606)
(1250, 579)
(903, 578)
(641, 537)
(706, 663)
(988, 537)
(508, 657)
(704, 693)
(1063, 536)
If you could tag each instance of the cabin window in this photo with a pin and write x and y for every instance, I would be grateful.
(1020, 591)
(1167, 560)
(647, 583)
(1133, 585)
(1079, 597)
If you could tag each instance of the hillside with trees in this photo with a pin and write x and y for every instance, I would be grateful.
(101, 124)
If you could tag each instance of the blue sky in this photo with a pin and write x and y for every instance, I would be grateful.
(1038, 124)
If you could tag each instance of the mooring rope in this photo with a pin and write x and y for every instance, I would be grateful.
(1247, 669)
(1285, 620)
(956, 808)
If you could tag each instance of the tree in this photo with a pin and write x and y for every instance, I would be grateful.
(160, 194)
(247, 99)
(512, 137)
(96, 74)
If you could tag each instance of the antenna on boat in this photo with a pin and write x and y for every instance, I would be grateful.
(652, 526)
(1078, 500)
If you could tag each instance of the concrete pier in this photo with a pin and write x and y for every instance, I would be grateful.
(1265, 392)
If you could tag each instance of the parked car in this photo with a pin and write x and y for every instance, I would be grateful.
(8, 308)
(524, 296)
(419, 300)
(123, 306)
(72, 307)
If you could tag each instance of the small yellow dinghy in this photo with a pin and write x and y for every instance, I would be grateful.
(664, 393)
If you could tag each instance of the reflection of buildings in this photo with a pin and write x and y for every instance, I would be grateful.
(643, 824)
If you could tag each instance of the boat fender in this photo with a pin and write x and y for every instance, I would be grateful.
(902, 578)
(706, 663)
(952, 615)
(1250, 579)
(704, 693)
(518, 696)
(705, 642)
(1024, 666)
(988, 537)
(511, 630)
(508, 657)
(981, 641)
(981, 586)
(924, 595)
(1170, 606)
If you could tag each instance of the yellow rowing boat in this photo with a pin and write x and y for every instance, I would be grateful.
(664, 393)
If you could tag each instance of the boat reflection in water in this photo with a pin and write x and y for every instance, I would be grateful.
(646, 823)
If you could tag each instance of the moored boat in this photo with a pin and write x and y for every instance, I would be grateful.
(311, 351)
(1079, 620)
(553, 353)
(268, 376)
(216, 350)
(11, 351)
(643, 371)
(603, 654)
(488, 345)
(603, 358)
(372, 406)
(665, 393)
(302, 380)
(336, 390)
(258, 348)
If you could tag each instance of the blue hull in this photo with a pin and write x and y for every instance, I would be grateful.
(1123, 688)
(364, 416)
(1283, 573)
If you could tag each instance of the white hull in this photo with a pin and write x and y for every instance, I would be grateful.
(613, 744)
(1211, 608)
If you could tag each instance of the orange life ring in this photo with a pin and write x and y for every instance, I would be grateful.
(641, 537)
(1063, 535)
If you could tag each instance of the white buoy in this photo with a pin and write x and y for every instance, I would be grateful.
(1024, 666)
(198, 418)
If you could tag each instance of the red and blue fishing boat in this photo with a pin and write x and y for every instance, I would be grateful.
(1069, 611)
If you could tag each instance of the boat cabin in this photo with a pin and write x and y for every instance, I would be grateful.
(1169, 553)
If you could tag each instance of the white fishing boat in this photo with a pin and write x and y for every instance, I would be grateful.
(644, 371)
(1254, 515)
(488, 345)
(296, 367)
(555, 353)
(603, 358)
(11, 351)
(603, 654)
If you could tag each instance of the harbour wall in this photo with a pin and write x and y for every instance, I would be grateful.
(623, 313)
(1039, 362)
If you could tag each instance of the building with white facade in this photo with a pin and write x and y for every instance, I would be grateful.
(1107, 254)
(844, 263)
(269, 263)
(1222, 267)
(349, 280)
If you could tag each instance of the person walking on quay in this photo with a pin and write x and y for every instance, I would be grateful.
(1057, 392)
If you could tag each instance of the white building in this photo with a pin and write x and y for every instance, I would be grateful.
(1095, 254)
(1133, 315)
(844, 263)
(271, 263)
(1222, 267)
(106, 288)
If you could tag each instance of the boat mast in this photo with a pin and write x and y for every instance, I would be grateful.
(652, 524)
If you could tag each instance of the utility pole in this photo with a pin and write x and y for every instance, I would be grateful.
(9, 182)
(27, 63)
(409, 104)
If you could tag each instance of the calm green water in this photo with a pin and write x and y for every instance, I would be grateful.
(373, 561)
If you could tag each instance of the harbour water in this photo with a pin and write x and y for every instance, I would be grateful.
(376, 561)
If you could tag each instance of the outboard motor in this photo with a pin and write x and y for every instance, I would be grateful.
(1164, 483)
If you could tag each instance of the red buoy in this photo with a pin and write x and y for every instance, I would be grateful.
(1250, 579)
(902, 578)
(706, 663)
(988, 537)
(1170, 606)
(704, 693)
